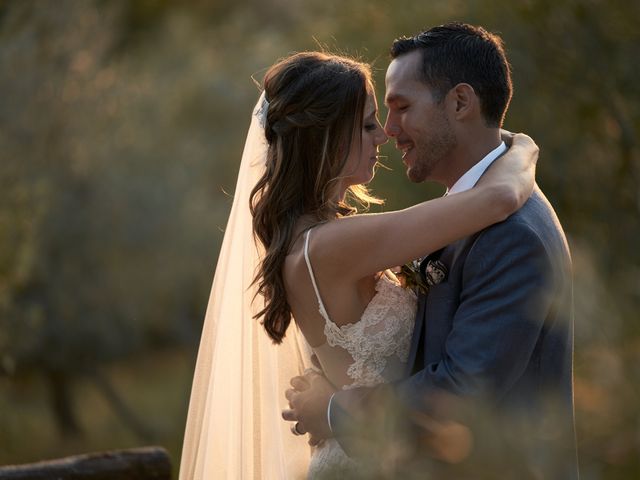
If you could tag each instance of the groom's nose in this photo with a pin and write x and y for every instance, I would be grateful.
(391, 128)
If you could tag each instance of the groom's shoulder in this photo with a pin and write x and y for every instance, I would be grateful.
(537, 215)
(535, 223)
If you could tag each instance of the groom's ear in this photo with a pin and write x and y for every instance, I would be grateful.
(463, 102)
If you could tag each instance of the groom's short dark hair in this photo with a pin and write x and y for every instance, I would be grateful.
(460, 53)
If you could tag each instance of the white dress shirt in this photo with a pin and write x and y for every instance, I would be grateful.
(471, 177)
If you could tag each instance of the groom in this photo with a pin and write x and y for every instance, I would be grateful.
(496, 334)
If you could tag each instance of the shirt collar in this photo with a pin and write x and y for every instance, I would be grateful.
(471, 177)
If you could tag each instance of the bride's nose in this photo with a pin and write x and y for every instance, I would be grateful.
(381, 137)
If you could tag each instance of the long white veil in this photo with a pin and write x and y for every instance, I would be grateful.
(234, 429)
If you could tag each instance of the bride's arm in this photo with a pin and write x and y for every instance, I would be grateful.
(364, 244)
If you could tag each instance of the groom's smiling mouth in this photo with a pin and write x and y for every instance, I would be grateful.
(405, 148)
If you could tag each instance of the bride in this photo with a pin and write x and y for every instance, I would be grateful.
(312, 145)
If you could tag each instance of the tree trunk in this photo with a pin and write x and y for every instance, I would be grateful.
(62, 403)
(144, 432)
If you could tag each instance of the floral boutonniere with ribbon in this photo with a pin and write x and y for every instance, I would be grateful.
(411, 277)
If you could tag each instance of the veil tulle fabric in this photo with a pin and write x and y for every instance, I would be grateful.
(234, 429)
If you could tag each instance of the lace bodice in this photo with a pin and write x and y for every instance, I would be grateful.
(379, 342)
(368, 352)
(377, 345)
(371, 351)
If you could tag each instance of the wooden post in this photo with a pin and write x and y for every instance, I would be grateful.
(147, 463)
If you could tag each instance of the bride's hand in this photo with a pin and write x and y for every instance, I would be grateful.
(507, 137)
(513, 175)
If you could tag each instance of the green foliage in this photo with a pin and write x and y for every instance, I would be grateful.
(122, 123)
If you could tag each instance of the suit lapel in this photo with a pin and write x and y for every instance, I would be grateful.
(416, 353)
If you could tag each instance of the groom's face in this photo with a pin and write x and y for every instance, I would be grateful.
(419, 124)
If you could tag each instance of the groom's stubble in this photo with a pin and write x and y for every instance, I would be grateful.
(434, 151)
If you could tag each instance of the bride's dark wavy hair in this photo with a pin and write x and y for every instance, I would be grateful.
(316, 105)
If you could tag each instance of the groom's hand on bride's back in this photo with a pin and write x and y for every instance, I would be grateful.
(308, 403)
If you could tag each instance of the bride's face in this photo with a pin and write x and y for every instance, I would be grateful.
(363, 156)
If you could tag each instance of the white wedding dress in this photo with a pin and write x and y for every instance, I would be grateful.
(371, 351)
(234, 429)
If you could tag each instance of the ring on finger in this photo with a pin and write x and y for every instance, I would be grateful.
(294, 429)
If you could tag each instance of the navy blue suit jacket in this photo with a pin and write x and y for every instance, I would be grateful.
(498, 329)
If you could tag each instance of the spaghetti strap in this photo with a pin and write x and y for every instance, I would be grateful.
(323, 311)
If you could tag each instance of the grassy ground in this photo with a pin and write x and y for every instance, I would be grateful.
(155, 387)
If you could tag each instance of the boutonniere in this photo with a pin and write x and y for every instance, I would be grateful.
(411, 277)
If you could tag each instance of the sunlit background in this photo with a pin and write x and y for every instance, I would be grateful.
(121, 126)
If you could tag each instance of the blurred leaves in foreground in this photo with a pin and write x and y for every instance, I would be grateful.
(121, 126)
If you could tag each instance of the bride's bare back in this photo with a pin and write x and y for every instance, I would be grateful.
(345, 298)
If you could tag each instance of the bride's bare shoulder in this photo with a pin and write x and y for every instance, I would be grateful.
(294, 269)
